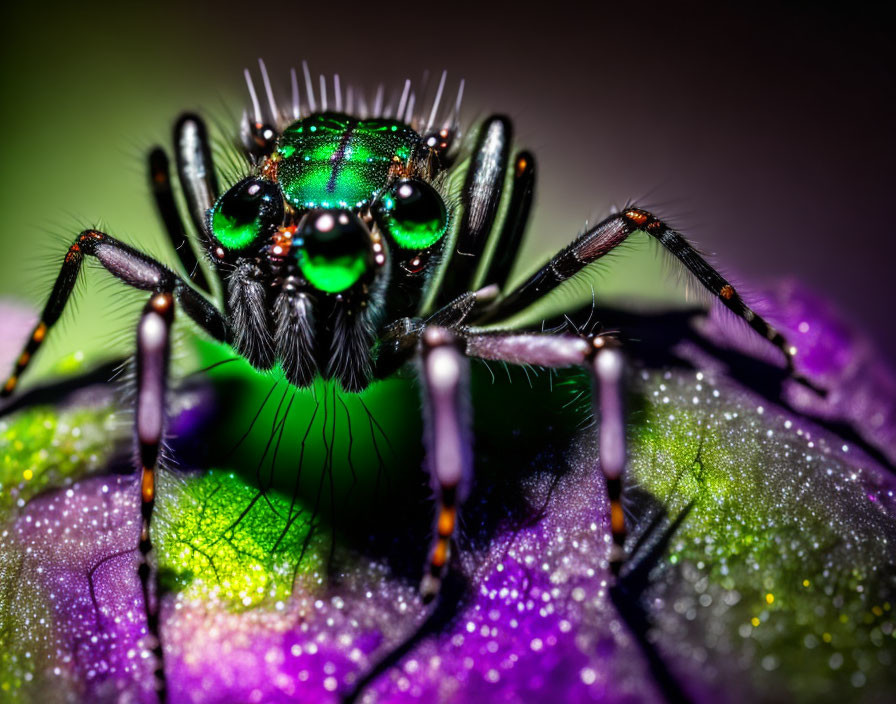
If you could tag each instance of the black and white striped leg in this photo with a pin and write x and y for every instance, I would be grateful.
(604, 359)
(153, 352)
(444, 372)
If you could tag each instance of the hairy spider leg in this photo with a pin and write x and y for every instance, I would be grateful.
(160, 179)
(606, 236)
(132, 267)
(607, 371)
(603, 358)
(153, 334)
(444, 373)
(398, 341)
(200, 188)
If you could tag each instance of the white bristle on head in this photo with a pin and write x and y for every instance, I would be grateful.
(435, 102)
(378, 101)
(350, 100)
(362, 106)
(296, 102)
(454, 117)
(402, 106)
(404, 98)
(256, 107)
(309, 88)
(410, 111)
(272, 102)
(337, 92)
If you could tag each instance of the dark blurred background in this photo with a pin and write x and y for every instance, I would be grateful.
(764, 131)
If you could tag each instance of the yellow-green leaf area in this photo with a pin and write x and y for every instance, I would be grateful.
(785, 546)
(219, 537)
(42, 447)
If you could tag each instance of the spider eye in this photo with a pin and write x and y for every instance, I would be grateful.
(412, 213)
(334, 249)
(249, 209)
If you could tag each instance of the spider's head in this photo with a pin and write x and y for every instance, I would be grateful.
(329, 236)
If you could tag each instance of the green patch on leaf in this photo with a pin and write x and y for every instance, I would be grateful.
(783, 557)
(219, 537)
(43, 447)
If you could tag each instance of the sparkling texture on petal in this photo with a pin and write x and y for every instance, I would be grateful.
(761, 555)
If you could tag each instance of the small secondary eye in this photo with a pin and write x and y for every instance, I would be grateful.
(334, 249)
(247, 210)
(412, 213)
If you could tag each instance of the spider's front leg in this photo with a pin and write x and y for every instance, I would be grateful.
(608, 370)
(153, 350)
(126, 263)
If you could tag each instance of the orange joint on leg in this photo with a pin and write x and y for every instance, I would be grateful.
(440, 553)
(636, 216)
(23, 359)
(161, 302)
(727, 291)
(40, 332)
(148, 485)
(10, 384)
(445, 526)
(617, 517)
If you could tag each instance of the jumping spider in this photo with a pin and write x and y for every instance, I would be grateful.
(362, 239)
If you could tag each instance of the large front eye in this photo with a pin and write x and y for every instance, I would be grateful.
(412, 213)
(251, 208)
(335, 249)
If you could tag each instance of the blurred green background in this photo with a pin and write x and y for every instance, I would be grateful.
(762, 131)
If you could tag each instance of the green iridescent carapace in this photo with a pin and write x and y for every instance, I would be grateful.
(331, 160)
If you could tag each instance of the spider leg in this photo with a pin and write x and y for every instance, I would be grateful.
(604, 360)
(132, 267)
(398, 340)
(608, 371)
(444, 372)
(511, 235)
(196, 174)
(195, 168)
(607, 235)
(153, 352)
(480, 198)
(160, 179)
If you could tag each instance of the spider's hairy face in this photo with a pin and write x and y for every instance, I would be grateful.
(334, 231)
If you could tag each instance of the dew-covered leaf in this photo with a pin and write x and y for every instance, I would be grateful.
(761, 561)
